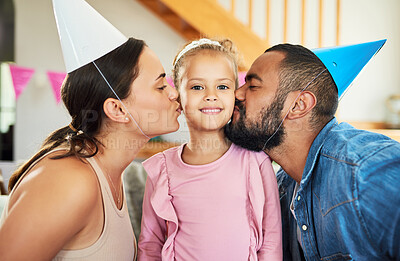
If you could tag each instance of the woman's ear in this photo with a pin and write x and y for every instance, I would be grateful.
(304, 103)
(115, 111)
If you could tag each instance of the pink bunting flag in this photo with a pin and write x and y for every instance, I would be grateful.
(20, 77)
(241, 76)
(56, 79)
(170, 81)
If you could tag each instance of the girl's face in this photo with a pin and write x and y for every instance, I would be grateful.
(207, 90)
(153, 102)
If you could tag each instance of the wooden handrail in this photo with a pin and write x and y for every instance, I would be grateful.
(194, 19)
(213, 20)
(304, 16)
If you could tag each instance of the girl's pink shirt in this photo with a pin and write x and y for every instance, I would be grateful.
(226, 210)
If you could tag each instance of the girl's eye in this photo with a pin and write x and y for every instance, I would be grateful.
(222, 87)
(162, 88)
(197, 87)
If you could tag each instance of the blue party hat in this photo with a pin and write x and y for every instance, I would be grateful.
(345, 62)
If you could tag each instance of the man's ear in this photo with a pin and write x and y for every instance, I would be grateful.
(114, 110)
(304, 103)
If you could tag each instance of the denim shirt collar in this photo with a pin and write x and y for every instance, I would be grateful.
(314, 151)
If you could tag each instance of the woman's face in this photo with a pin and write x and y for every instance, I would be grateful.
(207, 91)
(152, 101)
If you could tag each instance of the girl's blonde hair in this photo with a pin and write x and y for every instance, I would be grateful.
(224, 46)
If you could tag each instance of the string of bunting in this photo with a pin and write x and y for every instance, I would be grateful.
(22, 75)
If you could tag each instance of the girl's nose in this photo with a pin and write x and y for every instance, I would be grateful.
(210, 96)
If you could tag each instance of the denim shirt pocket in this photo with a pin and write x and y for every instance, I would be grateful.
(340, 178)
(334, 195)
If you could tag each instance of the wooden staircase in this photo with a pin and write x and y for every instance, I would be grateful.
(206, 18)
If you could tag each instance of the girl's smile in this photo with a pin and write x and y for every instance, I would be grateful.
(211, 110)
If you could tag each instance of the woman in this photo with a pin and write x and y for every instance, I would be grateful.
(67, 200)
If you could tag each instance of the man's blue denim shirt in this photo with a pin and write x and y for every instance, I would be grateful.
(348, 203)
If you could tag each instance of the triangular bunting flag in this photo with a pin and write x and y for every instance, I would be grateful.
(20, 77)
(170, 81)
(56, 79)
(241, 76)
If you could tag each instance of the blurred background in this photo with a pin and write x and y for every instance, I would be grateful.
(30, 52)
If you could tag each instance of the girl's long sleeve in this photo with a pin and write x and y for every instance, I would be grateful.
(153, 228)
(271, 248)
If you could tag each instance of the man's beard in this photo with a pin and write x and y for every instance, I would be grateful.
(257, 135)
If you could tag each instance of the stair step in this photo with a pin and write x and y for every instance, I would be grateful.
(207, 18)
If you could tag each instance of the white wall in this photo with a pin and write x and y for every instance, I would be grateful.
(38, 47)
(360, 21)
(367, 21)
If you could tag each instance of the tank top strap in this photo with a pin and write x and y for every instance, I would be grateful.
(116, 225)
(99, 173)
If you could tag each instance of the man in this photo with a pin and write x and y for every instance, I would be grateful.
(338, 185)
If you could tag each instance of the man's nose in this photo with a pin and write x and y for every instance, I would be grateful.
(240, 93)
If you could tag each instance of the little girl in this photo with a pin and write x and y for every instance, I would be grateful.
(209, 199)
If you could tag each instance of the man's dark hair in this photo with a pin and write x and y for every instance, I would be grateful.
(299, 67)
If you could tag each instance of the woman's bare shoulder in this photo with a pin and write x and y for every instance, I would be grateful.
(68, 180)
(54, 201)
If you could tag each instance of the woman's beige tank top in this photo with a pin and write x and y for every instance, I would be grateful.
(116, 242)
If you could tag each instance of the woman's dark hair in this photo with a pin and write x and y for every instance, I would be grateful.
(83, 93)
(299, 67)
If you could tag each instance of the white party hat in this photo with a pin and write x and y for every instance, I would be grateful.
(84, 34)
